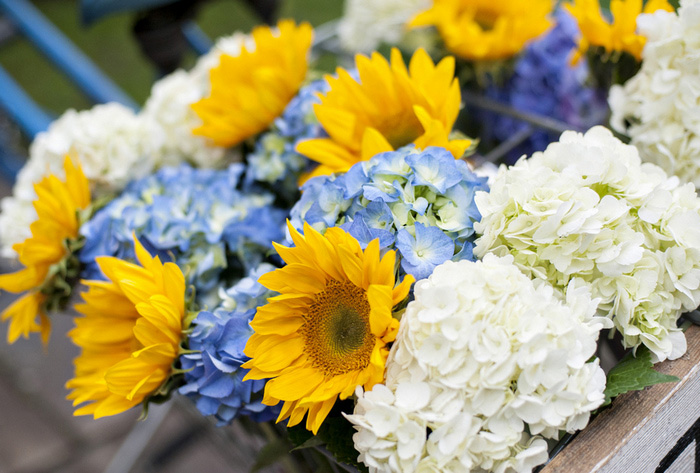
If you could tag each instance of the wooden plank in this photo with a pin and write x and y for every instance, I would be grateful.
(640, 429)
(685, 463)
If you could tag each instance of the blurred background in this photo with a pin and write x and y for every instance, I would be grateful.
(111, 43)
(39, 433)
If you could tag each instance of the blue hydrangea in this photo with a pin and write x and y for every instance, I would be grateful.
(248, 293)
(298, 121)
(197, 217)
(420, 203)
(274, 160)
(214, 377)
(545, 83)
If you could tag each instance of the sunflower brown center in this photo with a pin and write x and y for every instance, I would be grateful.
(336, 330)
(486, 18)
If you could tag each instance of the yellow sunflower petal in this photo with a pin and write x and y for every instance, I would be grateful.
(482, 30)
(373, 143)
(250, 90)
(296, 384)
(158, 354)
(109, 406)
(376, 113)
(22, 314)
(45, 327)
(655, 5)
(351, 266)
(95, 331)
(328, 153)
(317, 343)
(328, 391)
(272, 361)
(297, 415)
(380, 300)
(287, 409)
(129, 334)
(76, 183)
(317, 413)
(436, 135)
(401, 291)
(21, 280)
(274, 323)
(325, 251)
(104, 299)
(57, 205)
(128, 376)
(620, 35)
(295, 278)
(370, 262)
(385, 270)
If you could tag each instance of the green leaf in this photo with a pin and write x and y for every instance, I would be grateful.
(335, 436)
(337, 432)
(298, 435)
(634, 373)
(312, 442)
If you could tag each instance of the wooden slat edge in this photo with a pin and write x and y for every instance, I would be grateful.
(595, 446)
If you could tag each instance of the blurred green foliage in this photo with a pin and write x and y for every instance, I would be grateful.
(111, 45)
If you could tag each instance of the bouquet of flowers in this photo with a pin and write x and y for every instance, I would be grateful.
(322, 254)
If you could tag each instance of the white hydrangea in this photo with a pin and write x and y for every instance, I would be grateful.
(587, 209)
(16, 217)
(113, 144)
(231, 45)
(661, 102)
(169, 105)
(486, 365)
(367, 24)
(486, 169)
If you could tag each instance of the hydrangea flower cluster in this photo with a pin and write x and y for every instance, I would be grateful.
(169, 105)
(274, 159)
(196, 216)
(658, 107)
(545, 83)
(368, 24)
(487, 364)
(16, 216)
(116, 145)
(113, 144)
(420, 203)
(587, 208)
(213, 373)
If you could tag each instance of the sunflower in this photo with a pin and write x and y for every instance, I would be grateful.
(130, 334)
(480, 30)
(250, 90)
(327, 331)
(389, 107)
(46, 255)
(618, 36)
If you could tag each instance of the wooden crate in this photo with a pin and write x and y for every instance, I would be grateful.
(654, 430)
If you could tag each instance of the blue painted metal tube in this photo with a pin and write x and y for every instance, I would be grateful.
(62, 52)
(10, 165)
(198, 39)
(21, 108)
